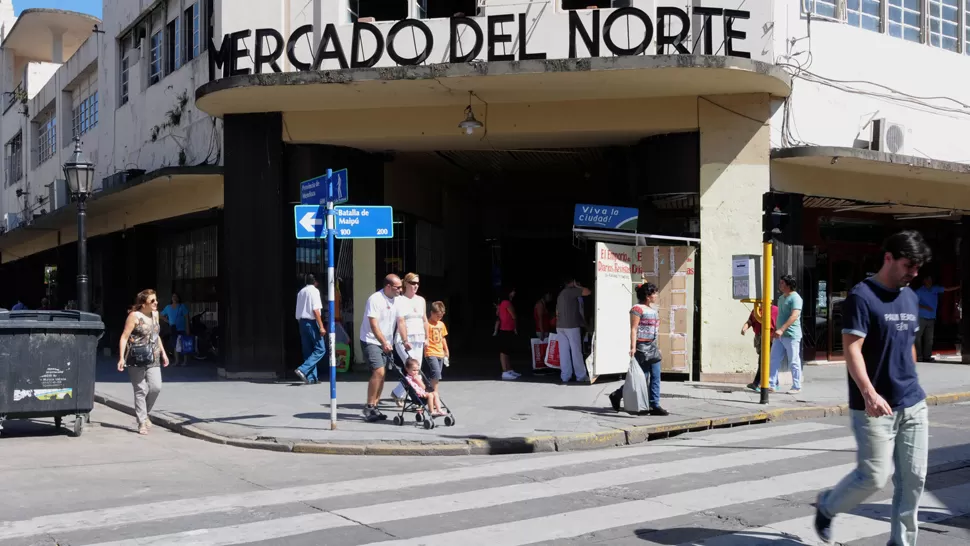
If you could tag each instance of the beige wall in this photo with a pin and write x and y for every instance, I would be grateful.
(524, 125)
(365, 283)
(734, 175)
(867, 187)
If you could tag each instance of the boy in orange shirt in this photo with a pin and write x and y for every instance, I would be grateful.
(436, 348)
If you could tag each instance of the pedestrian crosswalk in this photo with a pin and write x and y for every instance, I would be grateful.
(772, 472)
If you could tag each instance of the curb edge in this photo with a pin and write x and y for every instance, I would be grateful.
(511, 446)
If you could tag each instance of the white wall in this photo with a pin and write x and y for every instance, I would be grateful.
(128, 129)
(822, 114)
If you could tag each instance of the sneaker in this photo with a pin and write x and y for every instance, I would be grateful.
(659, 411)
(794, 391)
(615, 398)
(823, 523)
(372, 414)
(509, 376)
(753, 387)
(515, 373)
(301, 376)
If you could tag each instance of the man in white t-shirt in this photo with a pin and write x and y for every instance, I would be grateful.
(376, 335)
(313, 335)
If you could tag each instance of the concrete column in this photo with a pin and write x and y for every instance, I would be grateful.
(365, 284)
(734, 173)
(965, 293)
(57, 46)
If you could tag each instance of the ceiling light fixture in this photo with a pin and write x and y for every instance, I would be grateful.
(470, 123)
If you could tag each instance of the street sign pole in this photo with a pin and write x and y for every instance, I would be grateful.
(331, 293)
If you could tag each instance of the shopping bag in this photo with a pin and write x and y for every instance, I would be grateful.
(539, 347)
(185, 345)
(552, 351)
(635, 395)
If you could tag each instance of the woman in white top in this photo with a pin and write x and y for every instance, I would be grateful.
(412, 325)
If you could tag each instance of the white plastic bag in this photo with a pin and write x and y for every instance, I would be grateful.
(635, 396)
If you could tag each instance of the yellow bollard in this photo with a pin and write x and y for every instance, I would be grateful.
(766, 329)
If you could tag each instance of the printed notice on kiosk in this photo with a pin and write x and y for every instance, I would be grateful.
(355, 222)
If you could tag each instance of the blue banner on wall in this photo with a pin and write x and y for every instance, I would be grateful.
(604, 217)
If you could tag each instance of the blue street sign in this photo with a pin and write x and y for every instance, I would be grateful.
(309, 220)
(353, 222)
(600, 216)
(314, 190)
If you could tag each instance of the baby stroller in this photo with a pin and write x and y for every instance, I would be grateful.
(422, 413)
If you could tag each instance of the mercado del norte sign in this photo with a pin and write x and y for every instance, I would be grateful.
(503, 36)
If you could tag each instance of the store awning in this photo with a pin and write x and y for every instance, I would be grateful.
(165, 193)
(550, 80)
(869, 162)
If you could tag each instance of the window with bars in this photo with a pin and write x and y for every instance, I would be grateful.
(85, 114)
(174, 38)
(823, 8)
(866, 14)
(13, 155)
(193, 31)
(155, 65)
(124, 76)
(904, 19)
(46, 137)
(943, 22)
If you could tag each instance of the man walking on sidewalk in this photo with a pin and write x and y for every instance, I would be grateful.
(929, 301)
(376, 333)
(313, 335)
(569, 323)
(788, 337)
(888, 406)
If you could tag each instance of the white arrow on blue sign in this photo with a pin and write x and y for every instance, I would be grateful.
(355, 222)
(314, 190)
(309, 220)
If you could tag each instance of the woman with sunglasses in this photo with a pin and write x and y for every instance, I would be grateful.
(141, 352)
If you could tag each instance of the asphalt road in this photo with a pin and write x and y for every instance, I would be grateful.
(743, 486)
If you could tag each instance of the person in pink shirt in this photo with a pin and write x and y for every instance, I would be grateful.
(417, 383)
(506, 332)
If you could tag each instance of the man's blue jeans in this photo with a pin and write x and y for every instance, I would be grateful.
(314, 348)
(900, 440)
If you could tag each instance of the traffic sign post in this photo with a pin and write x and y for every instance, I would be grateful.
(331, 293)
(316, 218)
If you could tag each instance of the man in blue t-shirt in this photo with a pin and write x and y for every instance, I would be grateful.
(888, 406)
(929, 301)
(788, 335)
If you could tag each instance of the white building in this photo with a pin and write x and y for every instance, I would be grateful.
(689, 111)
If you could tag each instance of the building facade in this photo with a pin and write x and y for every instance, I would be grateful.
(203, 118)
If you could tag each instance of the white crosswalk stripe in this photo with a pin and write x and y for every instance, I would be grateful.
(568, 502)
(127, 515)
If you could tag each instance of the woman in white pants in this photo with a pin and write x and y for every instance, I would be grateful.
(141, 353)
(412, 325)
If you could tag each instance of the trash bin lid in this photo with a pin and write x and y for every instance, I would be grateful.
(50, 320)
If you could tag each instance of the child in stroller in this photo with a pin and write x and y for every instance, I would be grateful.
(426, 404)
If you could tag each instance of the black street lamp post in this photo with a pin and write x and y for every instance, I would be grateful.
(80, 180)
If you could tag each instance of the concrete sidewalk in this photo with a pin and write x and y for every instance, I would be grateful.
(529, 415)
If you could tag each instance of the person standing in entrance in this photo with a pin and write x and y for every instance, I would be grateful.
(313, 335)
(754, 323)
(569, 324)
(506, 330)
(888, 407)
(929, 300)
(376, 333)
(788, 336)
(542, 317)
(177, 317)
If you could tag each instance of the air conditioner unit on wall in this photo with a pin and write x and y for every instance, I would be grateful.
(888, 137)
(11, 220)
(58, 194)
